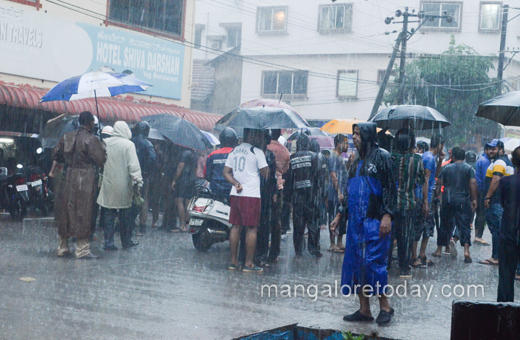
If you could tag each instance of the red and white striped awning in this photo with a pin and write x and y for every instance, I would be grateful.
(116, 108)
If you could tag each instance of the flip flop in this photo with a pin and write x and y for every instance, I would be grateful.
(339, 250)
(488, 262)
(435, 255)
(468, 259)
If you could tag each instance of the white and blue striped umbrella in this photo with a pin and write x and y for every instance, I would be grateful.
(93, 85)
(212, 139)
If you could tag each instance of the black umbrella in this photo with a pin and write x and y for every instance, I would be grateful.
(262, 118)
(56, 128)
(416, 117)
(313, 131)
(503, 109)
(179, 131)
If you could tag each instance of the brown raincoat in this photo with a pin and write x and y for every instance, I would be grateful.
(81, 151)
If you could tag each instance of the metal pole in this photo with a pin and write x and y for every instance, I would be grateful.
(501, 56)
(384, 82)
(402, 65)
(97, 110)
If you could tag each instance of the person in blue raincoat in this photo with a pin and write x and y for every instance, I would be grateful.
(370, 202)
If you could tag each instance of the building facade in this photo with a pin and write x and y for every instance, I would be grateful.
(327, 58)
(44, 42)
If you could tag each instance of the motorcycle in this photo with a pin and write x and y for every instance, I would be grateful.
(209, 220)
(14, 193)
(40, 197)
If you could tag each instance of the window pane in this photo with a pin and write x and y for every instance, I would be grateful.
(432, 9)
(264, 20)
(490, 17)
(198, 38)
(279, 20)
(452, 10)
(158, 15)
(325, 18)
(340, 17)
(347, 84)
(285, 82)
(270, 82)
(232, 36)
(300, 82)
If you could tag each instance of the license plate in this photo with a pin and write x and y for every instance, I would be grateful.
(196, 222)
(35, 183)
(22, 188)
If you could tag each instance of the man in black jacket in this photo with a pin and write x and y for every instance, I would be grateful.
(303, 170)
(147, 157)
(509, 250)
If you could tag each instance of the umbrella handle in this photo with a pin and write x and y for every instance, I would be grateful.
(97, 113)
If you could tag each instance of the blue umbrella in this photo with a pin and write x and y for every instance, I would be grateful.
(94, 85)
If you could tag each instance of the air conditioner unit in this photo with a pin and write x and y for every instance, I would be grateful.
(216, 45)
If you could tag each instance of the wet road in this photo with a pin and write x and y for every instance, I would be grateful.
(165, 289)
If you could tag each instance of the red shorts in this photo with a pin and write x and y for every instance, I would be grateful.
(244, 211)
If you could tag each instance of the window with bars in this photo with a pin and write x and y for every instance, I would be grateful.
(271, 20)
(162, 16)
(453, 9)
(335, 18)
(284, 82)
(347, 84)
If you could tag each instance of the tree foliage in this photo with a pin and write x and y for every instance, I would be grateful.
(453, 83)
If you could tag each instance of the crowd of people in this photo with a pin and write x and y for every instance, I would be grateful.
(390, 194)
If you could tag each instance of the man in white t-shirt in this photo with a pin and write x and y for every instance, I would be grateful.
(244, 166)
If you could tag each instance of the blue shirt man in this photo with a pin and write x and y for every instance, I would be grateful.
(482, 165)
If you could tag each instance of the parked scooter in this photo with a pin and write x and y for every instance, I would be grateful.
(209, 220)
(40, 197)
(14, 193)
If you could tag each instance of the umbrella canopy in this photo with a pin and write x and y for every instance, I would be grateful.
(179, 131)
(416, 117)
(262, 118)
(313, 131)
(344, 126)
(510, 144)
(503, 109)
(269, 103)
(155, 134)
(95, 84)
(56, 128)
(211, 138)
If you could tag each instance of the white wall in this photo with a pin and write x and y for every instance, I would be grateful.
(366, 48)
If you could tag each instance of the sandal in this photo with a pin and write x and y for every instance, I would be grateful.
(425, 262)
(417, 263)
(468, 259)
(488, 262)
(339, 250)
(358, 317)
(435, 255)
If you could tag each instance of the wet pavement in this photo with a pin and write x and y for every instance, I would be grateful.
(165, 289)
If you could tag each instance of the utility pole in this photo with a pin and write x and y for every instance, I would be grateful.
(501, 57)
(402, 64)
(404, 35)
(388, 71)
